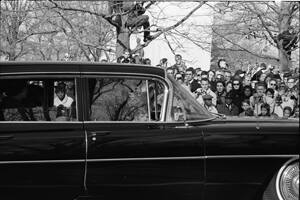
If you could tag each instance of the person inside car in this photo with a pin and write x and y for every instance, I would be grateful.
(61, 97)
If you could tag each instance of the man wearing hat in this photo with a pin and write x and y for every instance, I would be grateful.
(208, 103)
(228, 108)
(61, 97)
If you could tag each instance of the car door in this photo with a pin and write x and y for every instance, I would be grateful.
(144, 157)
(40, 157)
(240, 159)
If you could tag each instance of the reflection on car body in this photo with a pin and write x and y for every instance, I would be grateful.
(132, 132)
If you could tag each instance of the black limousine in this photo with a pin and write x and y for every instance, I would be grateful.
(72, 130)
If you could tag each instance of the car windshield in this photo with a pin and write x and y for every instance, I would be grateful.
(184, 107)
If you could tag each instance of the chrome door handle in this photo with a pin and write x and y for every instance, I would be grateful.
(94, 134)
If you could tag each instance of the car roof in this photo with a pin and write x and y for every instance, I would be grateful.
(33, 67)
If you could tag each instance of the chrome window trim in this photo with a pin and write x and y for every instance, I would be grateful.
(121, 74)
(40, 122)
(39, 73)
(292, 156)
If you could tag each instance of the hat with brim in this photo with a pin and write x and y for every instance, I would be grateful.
(207, 97)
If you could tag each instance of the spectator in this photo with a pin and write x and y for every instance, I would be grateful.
(247, 81)
(208, 104)
(227, 75)
(138, 50)
(137, 18)
(247, 92)
(204, 75)
(179, 64)
(197, 70)
(270, 93)
(253, 84)
(291, 88)
(222, 64)
(163, 63)
(259, 98)
(228, 108)
(220, 74)
(228, 87)
(126, 57)
(220, 93)
(278, 109)
(287, 101)
(198, 76)
(190, 78)
(247, 110)
(205, 90)
(239, 74)
(147, 61)
(288, 40)
(170, 71)
(296, 112)
(212, 80)
(237, 94)
(287, 112)
(272, 84)
(181, 80)
(262, 77)
(259, 71)
(265, 110)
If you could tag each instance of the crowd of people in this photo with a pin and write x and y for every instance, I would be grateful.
(261, 91)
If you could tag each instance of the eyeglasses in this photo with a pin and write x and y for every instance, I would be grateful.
(236, 84)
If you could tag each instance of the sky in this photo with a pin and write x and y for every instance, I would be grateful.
(172, 12)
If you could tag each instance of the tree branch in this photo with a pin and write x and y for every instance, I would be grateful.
(162, 31)
(242, 48)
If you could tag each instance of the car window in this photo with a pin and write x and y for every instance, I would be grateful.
(38, 100)
(184, 107)
(125, 99)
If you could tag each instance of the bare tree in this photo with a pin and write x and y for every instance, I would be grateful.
(258, 23)
(19, 20)
(114, 11)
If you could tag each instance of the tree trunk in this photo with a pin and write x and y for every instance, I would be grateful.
(123, 38)
(284, 23)
(284, 60)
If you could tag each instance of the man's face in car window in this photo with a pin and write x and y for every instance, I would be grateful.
(60, 94)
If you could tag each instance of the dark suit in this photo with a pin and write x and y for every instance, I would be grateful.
(231, 110)
(195, 85)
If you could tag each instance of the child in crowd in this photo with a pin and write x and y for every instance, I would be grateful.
(247, 110)
(265, 110)
(287, 112)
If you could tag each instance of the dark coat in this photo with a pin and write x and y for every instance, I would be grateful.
(223, 109)
(195, 85)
